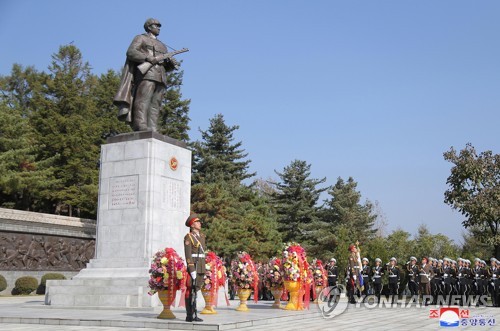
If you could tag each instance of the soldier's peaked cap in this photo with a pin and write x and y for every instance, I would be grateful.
(191, 219)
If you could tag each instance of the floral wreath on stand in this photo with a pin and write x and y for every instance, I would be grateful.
(245, 274)
(296, 268)
(274, 273)
(319, 274)
(215, 276)
(167, 272)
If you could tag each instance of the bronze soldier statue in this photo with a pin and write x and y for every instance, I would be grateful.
(144, 79)
(194, 249)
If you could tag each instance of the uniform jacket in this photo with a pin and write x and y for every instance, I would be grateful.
(195, 248)
(426, 273)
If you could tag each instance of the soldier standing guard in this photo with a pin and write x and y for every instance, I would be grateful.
(365, 273)
(194, 248)
(352, 273)
(333, 275)
(412, 276)
(377, 272)
(495, 282)
(394, 278)
(425, 273)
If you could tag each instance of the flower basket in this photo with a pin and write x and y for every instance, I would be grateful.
(214, 278)
(274, 280)
(167, 275)
(246, 278)
(297, 276)
(320, 278)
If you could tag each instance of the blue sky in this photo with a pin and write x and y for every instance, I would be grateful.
(376, 90)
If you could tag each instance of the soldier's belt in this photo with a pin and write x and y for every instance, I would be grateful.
(197, 255)
(393, 275)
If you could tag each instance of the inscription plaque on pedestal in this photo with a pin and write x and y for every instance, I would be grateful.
(172, 190)
(123, 192)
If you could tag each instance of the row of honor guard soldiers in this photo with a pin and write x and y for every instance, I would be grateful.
(431, 277)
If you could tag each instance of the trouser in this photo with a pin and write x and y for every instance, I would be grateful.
(393, 291)
(425, 290)
(478, 290)
(147, 104)
(377, 289)
(413, 287)
(351, 288)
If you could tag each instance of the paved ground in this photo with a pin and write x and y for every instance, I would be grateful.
(16, 312)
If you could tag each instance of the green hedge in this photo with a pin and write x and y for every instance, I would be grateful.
(3, 283)
(45, 278)
(25, 285)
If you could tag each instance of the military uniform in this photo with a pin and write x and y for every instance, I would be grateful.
(365, 273)
(377, 273)
(412, 276)
(495, 283)
(394, 275)
(448, 274)
(437, 279)
(425, 273)
(194, 249)
(352, 272)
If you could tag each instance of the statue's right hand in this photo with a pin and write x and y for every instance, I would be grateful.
(152, 59)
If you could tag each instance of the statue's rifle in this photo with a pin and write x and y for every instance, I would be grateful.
(144, 67)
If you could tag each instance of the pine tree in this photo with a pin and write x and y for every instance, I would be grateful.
(103, 93)
(174, 116)
(217, 157)
(67, 125)
(236, 218)
(26, 179)
(295, 202)
(344, 208)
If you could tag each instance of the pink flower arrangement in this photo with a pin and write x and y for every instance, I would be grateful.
(245, 273)
(274, 273)
(167, 272)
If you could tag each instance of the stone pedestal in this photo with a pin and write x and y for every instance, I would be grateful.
(144, 200)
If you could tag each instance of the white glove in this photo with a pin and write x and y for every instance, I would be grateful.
(193, 275)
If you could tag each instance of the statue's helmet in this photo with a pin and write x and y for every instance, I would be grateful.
(149, 22)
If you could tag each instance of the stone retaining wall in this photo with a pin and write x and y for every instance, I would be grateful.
(33, 244)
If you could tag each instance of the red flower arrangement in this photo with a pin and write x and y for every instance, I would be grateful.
(167, 272)
(245, 273)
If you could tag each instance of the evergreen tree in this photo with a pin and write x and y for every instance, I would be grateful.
(217, 157)
(174, 116)
(295, 202)
(236, 218)
(344, 208)
(104, 90)
(67, 125)
(25, 181)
